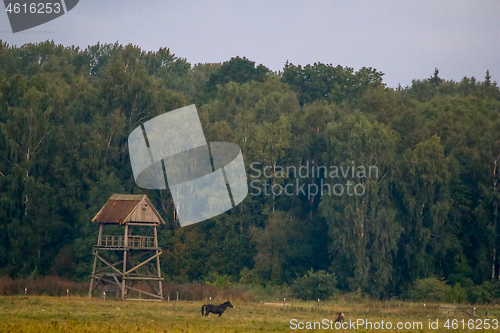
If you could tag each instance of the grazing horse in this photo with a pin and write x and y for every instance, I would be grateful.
(340, 317)
(216, 309)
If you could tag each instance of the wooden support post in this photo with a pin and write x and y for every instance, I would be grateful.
(99, 241)
(125, 249)
(158, 252)
(91, 288)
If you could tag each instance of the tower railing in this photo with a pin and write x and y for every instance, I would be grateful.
(139, 242)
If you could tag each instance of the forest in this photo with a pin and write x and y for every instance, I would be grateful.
(431, 211)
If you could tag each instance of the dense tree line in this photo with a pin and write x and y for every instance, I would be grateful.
(432, 210)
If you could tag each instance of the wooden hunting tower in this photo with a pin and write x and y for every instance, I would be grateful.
(122, 261)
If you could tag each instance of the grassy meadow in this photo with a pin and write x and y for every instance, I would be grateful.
(81, 314)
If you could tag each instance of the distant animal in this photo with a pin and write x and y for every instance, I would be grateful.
(340, 317)
(215, 309)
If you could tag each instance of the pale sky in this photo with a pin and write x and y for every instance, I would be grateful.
(405, 39)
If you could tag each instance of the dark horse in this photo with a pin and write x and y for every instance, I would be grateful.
(215, 309)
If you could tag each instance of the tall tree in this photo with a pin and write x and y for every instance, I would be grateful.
(361, 218)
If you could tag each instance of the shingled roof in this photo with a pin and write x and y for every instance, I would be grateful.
(124, 208)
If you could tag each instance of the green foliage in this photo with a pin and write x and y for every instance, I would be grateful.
(457, 294)
(431, 210)
(218, 281)
(479, 294)
(239, 70)
(250, 277)
(430, 289)
(314, 286)
(334, 84)
(284, 239)
(364, 230)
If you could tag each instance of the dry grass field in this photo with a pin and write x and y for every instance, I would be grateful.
(80, 314)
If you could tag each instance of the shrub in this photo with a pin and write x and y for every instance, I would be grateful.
(314, 285)
(250, 276)
(493, 288)
(429, 289)
(456, 294)
(479, 294)
(218, 281)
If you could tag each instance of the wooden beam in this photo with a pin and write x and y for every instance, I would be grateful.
(100, 234)
(118, 283)
(110, 282)
(91, 288)
(96, 284)
(143, 248)
(143, 292)
(143, 224)
(153, 286)
(114, 248)
(125, 262)
(143, 263)
(143, 278)
(107, 263)
(158, 264)
(121, 261)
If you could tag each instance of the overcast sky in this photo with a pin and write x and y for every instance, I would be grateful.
(405, 39)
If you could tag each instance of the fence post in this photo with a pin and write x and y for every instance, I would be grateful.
(25, 293)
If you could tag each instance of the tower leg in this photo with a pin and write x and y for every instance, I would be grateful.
(92, 277)
(91, 288)
(124, 281)
(158, 264)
